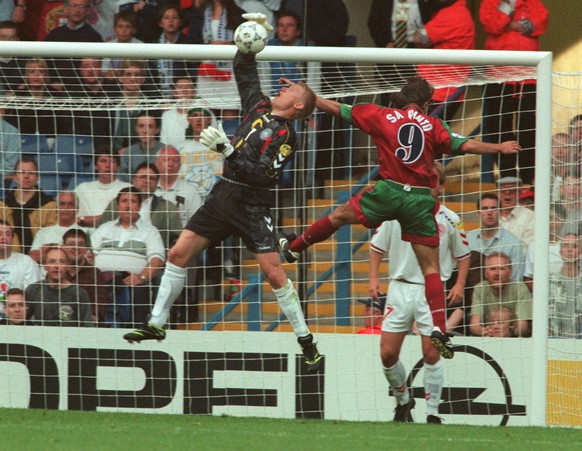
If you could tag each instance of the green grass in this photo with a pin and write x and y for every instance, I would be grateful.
(51, 430)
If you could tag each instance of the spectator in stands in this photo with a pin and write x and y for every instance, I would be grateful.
(451, 27)
(576, 135)
(26, 206)
(76, 29)
(15, 11)
(557, 220)
(10, 145)
(133, 250)
(67, 208)
(175, 120)
(125, 28)
(373, 315)
(571, 197)
(497, 290)
(166, 71)
(490, 237)
(173, 188)
(55, 301)
(215, 25)
(131, 78)
(564, 155)
(34, 120)
(89, 122)
(14, 309)
(95, 196)
(287, 33)
(200, 166)
(512, 25)
(11, 68)
(392, 24)
(148, 19)
(16, 270)
(147, 129)
(502, 322)
(515, 218)
(82, 272)
(155, 210)
(527, 198)
(565, 307)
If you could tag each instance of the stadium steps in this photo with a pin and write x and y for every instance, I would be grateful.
(321, 306)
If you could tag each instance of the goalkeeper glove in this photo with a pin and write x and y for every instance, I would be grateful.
(260, 18)
(215, 139)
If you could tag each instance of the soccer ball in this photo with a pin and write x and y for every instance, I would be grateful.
(250, 37)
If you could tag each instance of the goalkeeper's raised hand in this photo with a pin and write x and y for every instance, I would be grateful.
(260, 18)
(215, 139)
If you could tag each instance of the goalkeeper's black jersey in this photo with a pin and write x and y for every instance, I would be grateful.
(263, 143)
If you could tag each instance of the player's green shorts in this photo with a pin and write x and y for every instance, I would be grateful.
(413, 207)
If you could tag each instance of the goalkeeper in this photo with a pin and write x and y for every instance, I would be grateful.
(408, 143)
(240, 202)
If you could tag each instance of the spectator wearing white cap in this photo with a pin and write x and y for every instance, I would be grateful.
(515, 218)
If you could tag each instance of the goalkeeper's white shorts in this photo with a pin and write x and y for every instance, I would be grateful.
(405, 304)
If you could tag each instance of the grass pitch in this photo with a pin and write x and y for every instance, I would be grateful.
(51, 430)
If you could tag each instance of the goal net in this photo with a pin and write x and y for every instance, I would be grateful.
(95, 119)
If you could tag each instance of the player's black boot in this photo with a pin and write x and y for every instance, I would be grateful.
(149, 332)
(402, 413)
(443, 343)
(433, 419)
(284, 243)
(312, 357)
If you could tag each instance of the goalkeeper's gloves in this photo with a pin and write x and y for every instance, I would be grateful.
(215, 139)
(260, 18)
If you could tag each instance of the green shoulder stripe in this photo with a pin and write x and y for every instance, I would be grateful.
(346, 112)
(456, 139)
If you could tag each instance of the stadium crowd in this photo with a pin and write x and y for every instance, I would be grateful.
(93, 197)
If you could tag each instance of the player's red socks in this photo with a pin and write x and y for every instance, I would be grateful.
(319, 231)
(435, 295)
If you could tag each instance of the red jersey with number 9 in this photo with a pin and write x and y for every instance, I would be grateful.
(408, 141)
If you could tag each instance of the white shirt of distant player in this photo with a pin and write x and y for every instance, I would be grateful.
(95, 196)
(18, 271)
(403, 264)
(201, 166)
(52, 234)
(184, 195)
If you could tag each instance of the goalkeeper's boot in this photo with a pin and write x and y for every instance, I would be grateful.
(313, 359)
(284, 243)
(149, 332)
(443, 343)
(403, 414)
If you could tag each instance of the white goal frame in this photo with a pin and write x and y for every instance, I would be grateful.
(541, 61)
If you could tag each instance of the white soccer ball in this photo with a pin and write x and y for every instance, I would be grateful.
(250, 37)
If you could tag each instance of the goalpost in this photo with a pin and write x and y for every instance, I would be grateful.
(330, 280)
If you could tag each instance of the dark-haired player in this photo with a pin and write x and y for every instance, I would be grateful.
(240, 202)
(408, 143)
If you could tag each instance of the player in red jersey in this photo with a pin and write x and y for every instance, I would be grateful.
(408, 143)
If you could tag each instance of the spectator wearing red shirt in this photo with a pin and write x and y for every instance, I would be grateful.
(512, 25)
(452, 27)
(373, 315)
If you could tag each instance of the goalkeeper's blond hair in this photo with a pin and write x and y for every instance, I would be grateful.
(308, 99)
